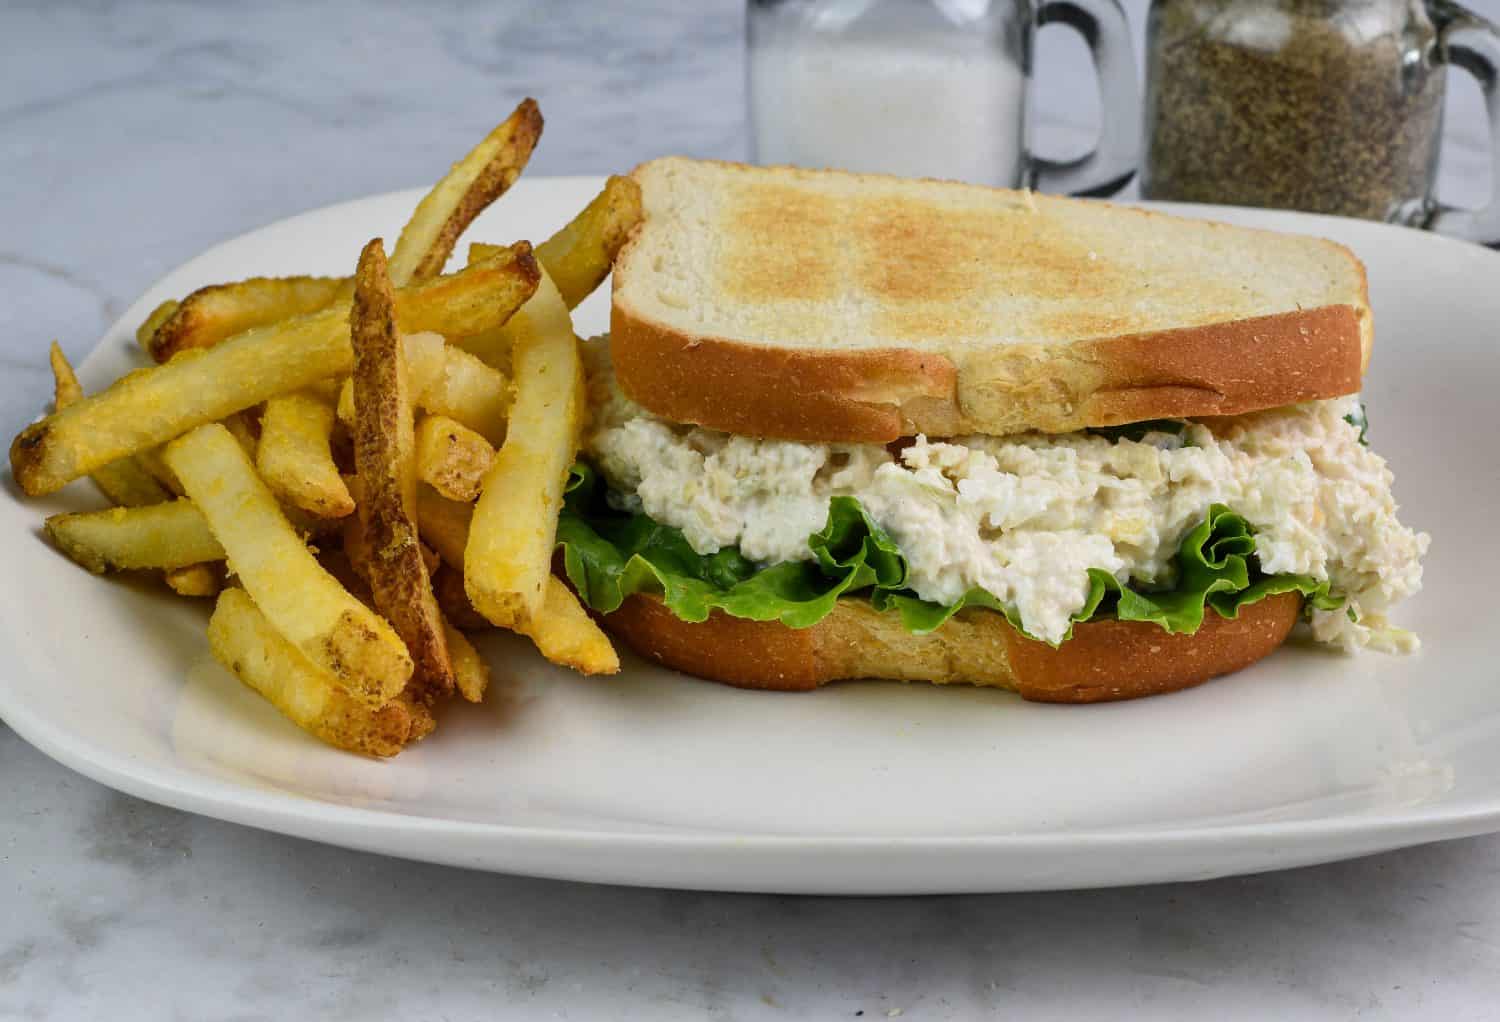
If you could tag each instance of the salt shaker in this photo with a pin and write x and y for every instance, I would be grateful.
(930, 88)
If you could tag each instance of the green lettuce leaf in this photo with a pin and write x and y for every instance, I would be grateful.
(1360, 420)
(1137, 431)
(609, 555)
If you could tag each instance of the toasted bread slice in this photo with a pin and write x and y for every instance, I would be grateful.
(823, 306)
(1103, 661)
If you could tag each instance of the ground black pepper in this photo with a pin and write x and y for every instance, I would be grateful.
(1332, 106)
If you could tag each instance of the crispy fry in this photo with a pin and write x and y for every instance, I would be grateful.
(509, 555)
(65, 386)
(451, 458)
(355, 543)
(565, 634)
(124, 482)
(423, 723)
(337, 562)
(196, 579)
(356, 548)
(146, 409)
(167, 536)
(159, 315)
(300, 598)
(454, 303)
(385, 459)
(244, 641)
(155, 466)
(448, 381)
(448, 587)
(471, 674)
(424, 362)
(579, 256)
(143, 411)
(245, 432)
(477, 180)
(471, 393)
(295, 456)
(444, 524)
(211, 314)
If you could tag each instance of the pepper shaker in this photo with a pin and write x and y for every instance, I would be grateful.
(1331, 106)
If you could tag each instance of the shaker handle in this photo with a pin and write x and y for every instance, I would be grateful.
(1113, 162)
(1471, 42)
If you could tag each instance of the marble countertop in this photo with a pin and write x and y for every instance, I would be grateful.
(133, 136)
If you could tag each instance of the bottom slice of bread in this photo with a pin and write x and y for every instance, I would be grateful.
(1104, 660)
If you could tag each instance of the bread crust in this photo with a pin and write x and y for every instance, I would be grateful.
(1102, 365)
(1104, 660)
(878, 395)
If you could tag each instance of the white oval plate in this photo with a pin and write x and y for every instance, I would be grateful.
(652, 778)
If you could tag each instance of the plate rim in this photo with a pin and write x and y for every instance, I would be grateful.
(304, 816)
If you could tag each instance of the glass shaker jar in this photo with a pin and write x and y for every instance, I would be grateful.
(931, 88)
(1332, 106)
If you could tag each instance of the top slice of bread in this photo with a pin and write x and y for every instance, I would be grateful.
(825, 306)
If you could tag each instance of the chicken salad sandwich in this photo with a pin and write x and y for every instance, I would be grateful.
(850, 426)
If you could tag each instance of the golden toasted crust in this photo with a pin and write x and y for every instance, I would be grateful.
(829, 307)
(1227, 368)
(879, 395)
(814, 396)
(1103, 661)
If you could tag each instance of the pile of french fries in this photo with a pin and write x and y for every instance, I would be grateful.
(360, 470)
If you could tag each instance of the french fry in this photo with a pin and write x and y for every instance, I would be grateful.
(444, 524)
(451, 458)
(304, 603)
(385, 460)
(196, 579)
(165, 536)
(424, 361)
(214, 313)
(149, 408)
(451, 382)
(219, 311)
(448, 587)
(124, 482)
(159, 315)
(471, 393)
(245, 432)
(244, 641)
(337, 562)
(565, 634)
(471, 675)
(295, 457)
(65, 386)
(509, 555)
(356, 548)
(477, 180)
(155, 466)
(423, 723)
(579, 256)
